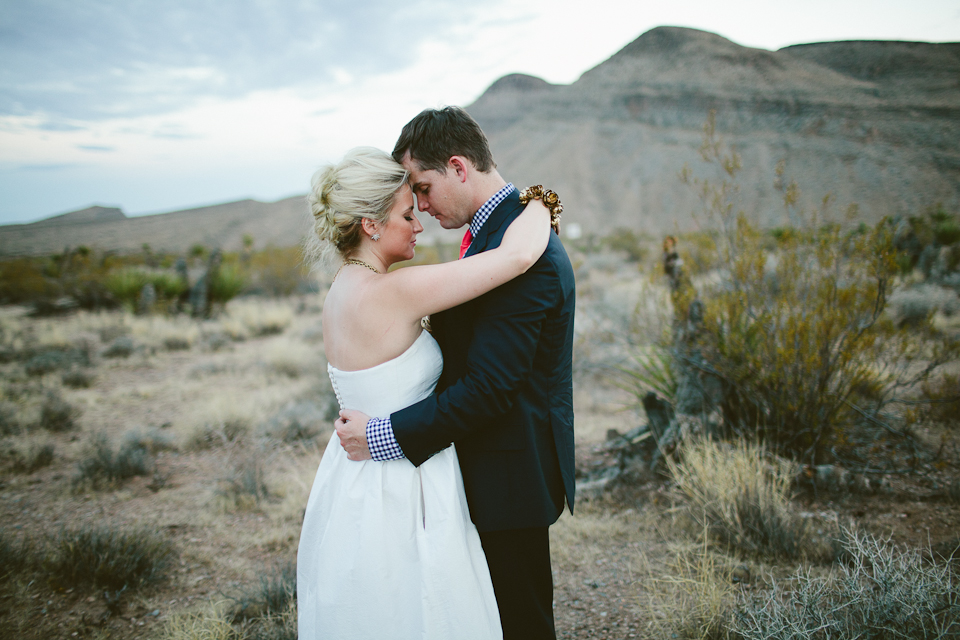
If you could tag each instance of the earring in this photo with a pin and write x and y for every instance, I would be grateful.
(375, 237)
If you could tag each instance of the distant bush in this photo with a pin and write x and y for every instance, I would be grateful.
(47, 362)
(277, 271)
(228, 282)
(16, 556)
(8, 418)
(627, 242)
(30, 456)
(303, 420)
(881, 593)
(244, 486)
(271, 595)
(149, 440)
(108, 558)
(125, 285)
(122, 347)
(741, 495)
(913, 306)
(940, 400)
(78, 378)
(56, 414)
(101, 465)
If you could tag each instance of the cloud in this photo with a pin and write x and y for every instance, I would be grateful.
(100, 59)
(59, 126)
(95, 147)
(50, 166)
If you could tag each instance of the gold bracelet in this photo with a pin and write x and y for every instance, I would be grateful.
(550, 200)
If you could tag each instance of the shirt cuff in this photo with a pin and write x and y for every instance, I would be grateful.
(381, 441)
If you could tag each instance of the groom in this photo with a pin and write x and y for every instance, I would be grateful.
(505, 394)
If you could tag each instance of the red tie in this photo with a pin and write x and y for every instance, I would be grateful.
(467, 239)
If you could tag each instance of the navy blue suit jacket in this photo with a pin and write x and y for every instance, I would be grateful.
(505, 397)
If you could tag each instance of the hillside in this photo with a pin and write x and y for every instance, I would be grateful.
(876, 123)
(280, 223)
(872, 123)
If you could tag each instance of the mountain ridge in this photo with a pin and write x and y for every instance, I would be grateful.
(871, 122)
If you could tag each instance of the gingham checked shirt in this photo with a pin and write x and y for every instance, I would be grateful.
(380, 439)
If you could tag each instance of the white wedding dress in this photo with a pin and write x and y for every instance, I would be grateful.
(388, 550)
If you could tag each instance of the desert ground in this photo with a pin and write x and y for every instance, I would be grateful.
(206, 435)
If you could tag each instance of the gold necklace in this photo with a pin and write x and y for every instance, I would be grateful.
(356, 262)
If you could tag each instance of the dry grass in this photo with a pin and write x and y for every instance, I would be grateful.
(208, 623)
(741, 495)
(174, 333)
(693, 596)
(29, 453)
(246, 318)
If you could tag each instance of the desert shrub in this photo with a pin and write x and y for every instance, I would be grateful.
(244, 486)
(647, 370)
(304, 420)
(8, 418)
(740, 495)
(627, 242)
(150, 440)
(940, 400)
(23, 280)
(16, 556)
(108, 558)
(168, 285)
(31, 455)
(78, 378)
(277, 271)
(126, 284)
(797, 335)
(122, 347)
(881, 593)
(56, 414)
(217, 431)
(272, 594)
(915, 305)
(47, 362)
(207, 624)
(101, 466)
(228, 282)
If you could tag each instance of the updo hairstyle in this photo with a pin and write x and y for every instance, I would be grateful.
(362, 185)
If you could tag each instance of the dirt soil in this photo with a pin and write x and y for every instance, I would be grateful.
(608, 556)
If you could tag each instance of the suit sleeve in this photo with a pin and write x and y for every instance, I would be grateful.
(500, 359)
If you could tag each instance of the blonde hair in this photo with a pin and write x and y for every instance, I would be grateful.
(362, 185)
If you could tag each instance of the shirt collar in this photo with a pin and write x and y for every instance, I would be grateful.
(480, 217)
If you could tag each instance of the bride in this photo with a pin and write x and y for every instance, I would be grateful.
(388, 550)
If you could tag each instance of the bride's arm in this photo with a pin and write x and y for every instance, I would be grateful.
(419, 291)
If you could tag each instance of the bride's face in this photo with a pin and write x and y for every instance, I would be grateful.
(398, 236)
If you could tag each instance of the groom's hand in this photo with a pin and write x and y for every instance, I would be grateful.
(352, 430)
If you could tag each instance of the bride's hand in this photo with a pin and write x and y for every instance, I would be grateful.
(351, 428)
(527, 235)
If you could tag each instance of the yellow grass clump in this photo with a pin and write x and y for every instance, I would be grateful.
(740, 494)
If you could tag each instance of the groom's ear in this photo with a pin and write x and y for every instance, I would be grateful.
(458, 164)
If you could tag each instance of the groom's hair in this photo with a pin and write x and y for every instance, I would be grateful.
(434, 136)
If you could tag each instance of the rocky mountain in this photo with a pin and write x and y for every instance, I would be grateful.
(871, 123)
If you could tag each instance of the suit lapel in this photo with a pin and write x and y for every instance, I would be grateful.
(497, 218)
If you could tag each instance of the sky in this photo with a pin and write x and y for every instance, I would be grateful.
(162, 105)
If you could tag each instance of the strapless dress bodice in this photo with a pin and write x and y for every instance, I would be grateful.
(392, 385)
